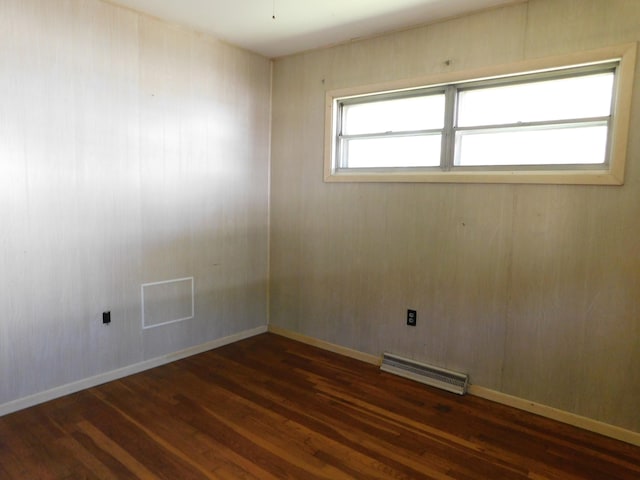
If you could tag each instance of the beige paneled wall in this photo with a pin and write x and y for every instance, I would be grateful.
(533, 290)
(130, 152)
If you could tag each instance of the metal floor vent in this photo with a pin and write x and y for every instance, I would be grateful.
(435, 376)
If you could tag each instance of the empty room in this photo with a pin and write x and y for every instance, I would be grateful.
(349, 239)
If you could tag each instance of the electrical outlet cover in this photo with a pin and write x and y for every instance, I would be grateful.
(412, 317)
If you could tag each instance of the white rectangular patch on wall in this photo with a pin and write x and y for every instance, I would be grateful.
(167, 302)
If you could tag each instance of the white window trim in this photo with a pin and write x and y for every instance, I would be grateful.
(612, 175)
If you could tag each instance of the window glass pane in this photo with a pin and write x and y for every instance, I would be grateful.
(568, 98)
(411, 151)
(561, 146)
(397, 115)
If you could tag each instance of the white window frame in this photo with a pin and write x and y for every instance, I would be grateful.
(609, 173)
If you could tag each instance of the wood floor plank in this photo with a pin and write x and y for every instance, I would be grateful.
(312, 416)
(271, 408)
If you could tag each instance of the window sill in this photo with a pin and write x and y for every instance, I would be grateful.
(557, 177)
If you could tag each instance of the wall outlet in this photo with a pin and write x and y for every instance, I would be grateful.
(106, 318)
(412, 318)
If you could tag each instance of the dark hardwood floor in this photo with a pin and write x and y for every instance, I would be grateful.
(271, 408)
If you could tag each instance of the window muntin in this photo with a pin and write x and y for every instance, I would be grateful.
(452, 166)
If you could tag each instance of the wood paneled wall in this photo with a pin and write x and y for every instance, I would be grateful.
(533, 290)
(130, 152)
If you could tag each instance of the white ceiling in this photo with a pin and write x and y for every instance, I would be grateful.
(301, 24)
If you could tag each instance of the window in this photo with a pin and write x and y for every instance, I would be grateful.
(391, 132)
(566, 123)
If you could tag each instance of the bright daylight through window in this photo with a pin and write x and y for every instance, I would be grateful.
(553, 122)
(548, 126)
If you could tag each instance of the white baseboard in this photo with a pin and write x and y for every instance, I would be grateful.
(563, 416)
(57, 392)
(314, 342)
(585, 423)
